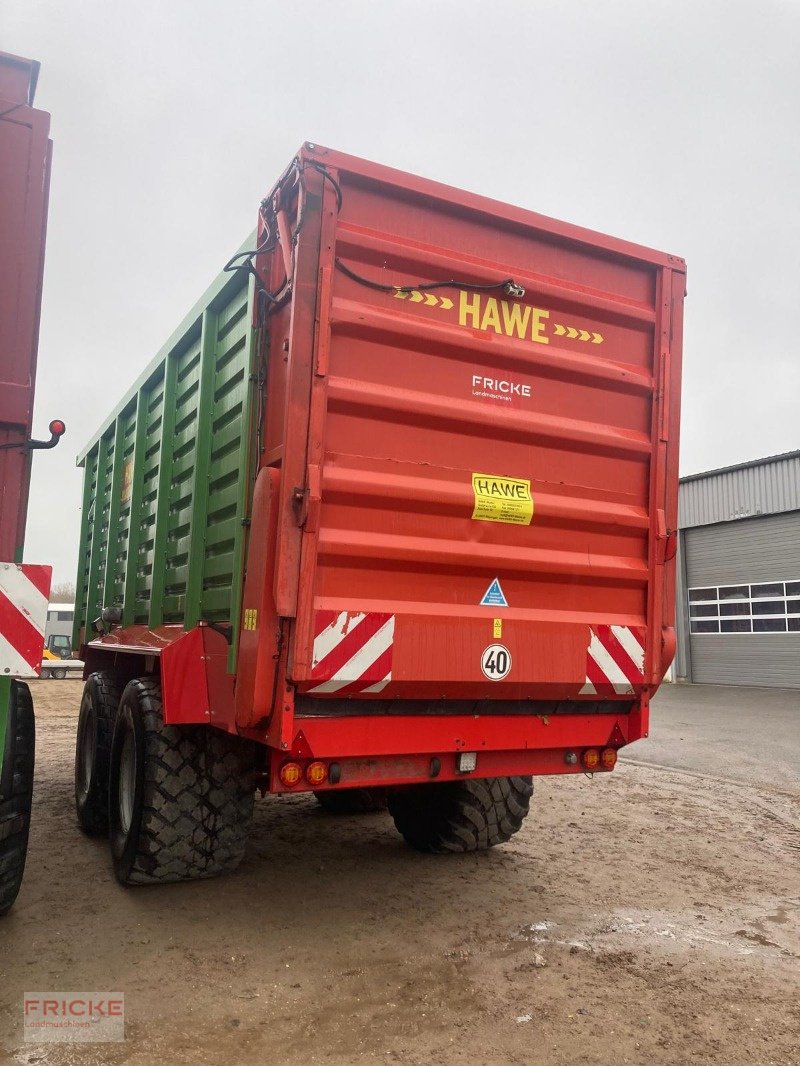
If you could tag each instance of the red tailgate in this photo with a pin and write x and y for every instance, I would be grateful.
(489, 517)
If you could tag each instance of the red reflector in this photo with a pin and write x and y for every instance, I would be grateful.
(57, 427)
(591, 758)
(290, 773)
(608, 758)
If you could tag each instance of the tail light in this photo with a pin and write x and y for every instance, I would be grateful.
(591, 759)
(608, 758)
(290, 773)
(316, 773)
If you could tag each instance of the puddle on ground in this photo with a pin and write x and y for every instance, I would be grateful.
(740, 933)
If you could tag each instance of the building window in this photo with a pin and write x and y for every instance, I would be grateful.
(768, 607)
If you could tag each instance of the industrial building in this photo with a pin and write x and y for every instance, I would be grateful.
(738, 603)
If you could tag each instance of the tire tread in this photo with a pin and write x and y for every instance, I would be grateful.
(459, 816)
(93, 814)
(198, 798)
(15, 808)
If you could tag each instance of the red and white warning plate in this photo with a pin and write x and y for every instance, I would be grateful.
(614, 660)
(352, 652)
(24, 590)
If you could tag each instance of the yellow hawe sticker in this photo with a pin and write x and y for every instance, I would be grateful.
(502, 499)
(497, 628)
(250, 618)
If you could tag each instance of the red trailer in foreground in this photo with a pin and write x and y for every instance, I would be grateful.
(390, 518)
(24, 184)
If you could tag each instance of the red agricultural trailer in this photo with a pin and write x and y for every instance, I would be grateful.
(389, 518)
(24, 183)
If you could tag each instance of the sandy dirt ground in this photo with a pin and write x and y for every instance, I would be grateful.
(647, 916)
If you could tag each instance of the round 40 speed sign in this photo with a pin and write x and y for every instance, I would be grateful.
(496, 662)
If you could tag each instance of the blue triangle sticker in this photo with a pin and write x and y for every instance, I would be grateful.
(493, 597)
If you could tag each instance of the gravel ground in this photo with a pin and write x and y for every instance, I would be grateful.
(647, 916)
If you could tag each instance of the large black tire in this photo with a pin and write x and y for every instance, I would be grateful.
(352, 800)
(99, 704)
(16, 791)
(180, 797)
(468, 815)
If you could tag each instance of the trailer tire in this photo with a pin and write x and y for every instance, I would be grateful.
(16, 792)
(352, 800)
(180, 797)
(59, 673)
(467, 815)
(99, 704)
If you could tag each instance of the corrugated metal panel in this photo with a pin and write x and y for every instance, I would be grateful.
(166, 478)
(762, 488)
(766, 660)
(755, 549)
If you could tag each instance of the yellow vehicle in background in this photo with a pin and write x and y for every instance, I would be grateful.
(58, 656)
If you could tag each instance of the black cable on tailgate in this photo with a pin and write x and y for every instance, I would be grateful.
(508, 286)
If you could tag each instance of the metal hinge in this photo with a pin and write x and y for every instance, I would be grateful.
(300, 504)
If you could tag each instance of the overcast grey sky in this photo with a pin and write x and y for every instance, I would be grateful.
(674, 124)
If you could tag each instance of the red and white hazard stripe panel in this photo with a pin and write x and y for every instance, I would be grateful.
(352, 652)
(23, 615)
(614, 660)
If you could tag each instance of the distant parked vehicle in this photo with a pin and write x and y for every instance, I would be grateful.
(57, 668)
(58, 631)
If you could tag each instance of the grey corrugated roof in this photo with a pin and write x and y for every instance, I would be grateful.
(742, 466)
(759, 487)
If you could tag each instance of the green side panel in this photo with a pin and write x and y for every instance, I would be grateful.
(253, 399)
(192, 581)
(117, 533)
(87, 518)
(228, 477)
(172, 408)
(99, 521)
(133, 482)
(152, 410)
(167, 479)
